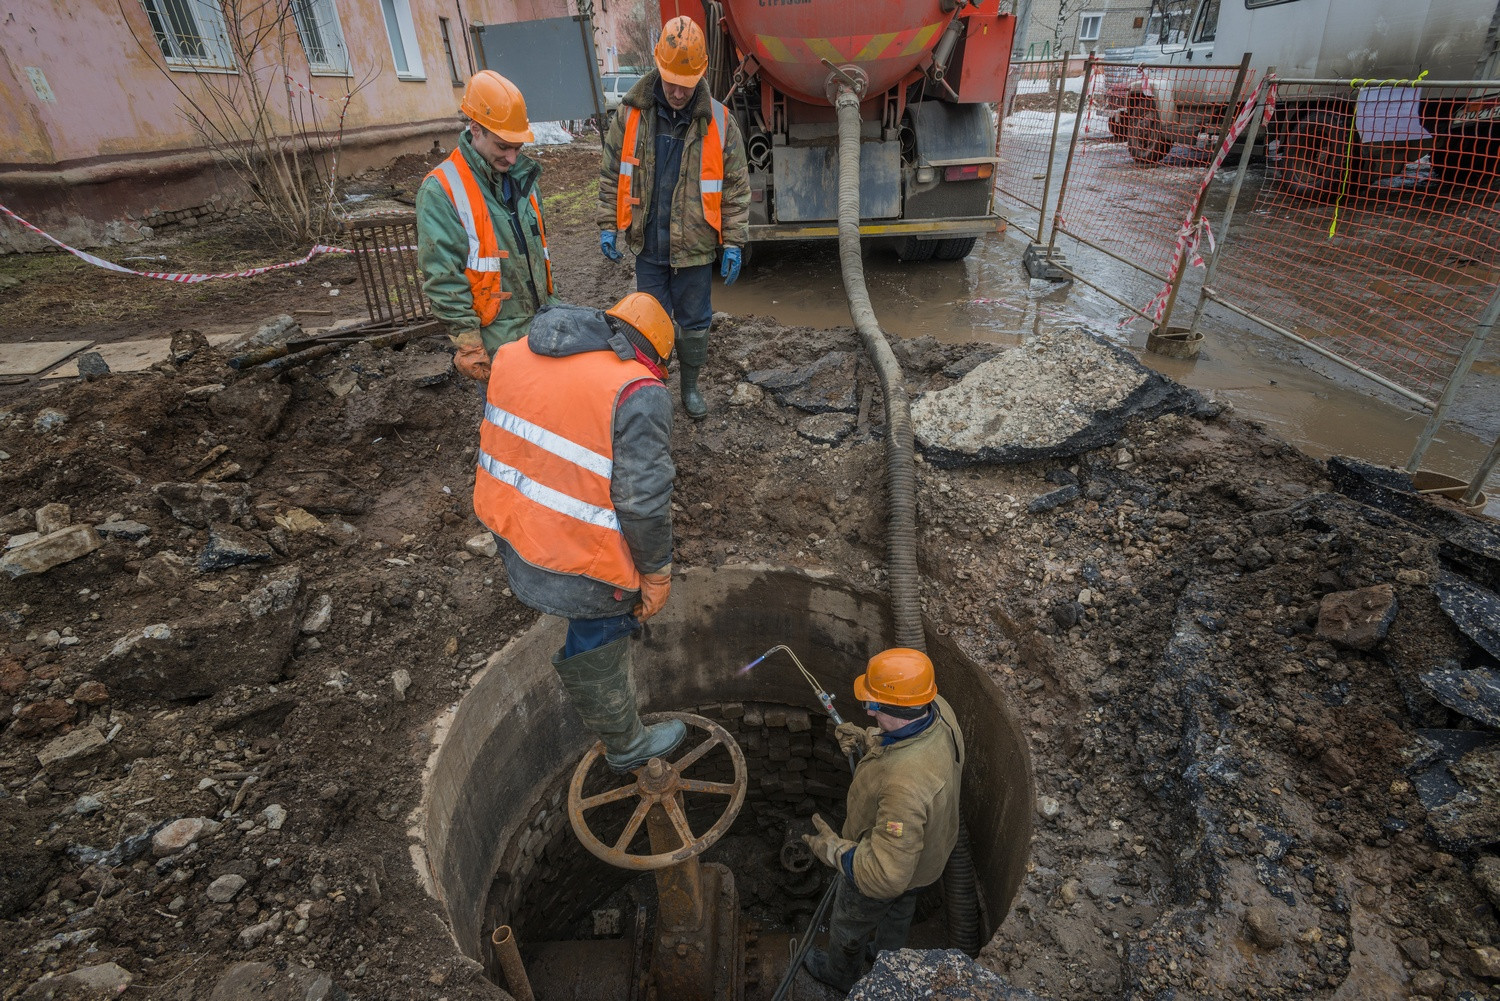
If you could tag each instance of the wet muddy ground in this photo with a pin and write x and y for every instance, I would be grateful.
(1227, 801)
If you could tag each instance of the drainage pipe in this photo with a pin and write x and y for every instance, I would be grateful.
(504, 941)
(961, 898)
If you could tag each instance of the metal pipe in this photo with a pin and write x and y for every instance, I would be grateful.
(943, 51)
(504, 941)
(1456, 380)
(1471, 495)
(1110, 253)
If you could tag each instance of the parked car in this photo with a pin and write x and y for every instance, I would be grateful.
(616, 86)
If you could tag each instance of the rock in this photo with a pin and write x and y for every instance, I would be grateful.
(18, 520)
(224, 889)
(87, 806)
(53, 518)
(201, 393)
(1048, 807)
(825, 429)
(317, 619)
(50, 551)
(1174, 520)
(48, 419)
(296, 520)
(71, 750)
(178, 835)
(428, 369)
(1357, 619)
(255, 934)
(91, 366)
(1260, 922)
(482, 544)
(128, 530)
(256, 408)
(1470, 819)
(274, 816)
(184, 344)
(1487, 878)
(825, 386)
(13, 677)
(1418, 951)
(1053, 498)
(1485, 962)
(40, 716)
(161, 570)
(907, 974)
(401, 681)
(264, 982)
(201, 504)
(746, 395)
(1475, 693)
(1254, 557)
(1473, 609)
(91, 693)
(1428, 983)
(274, 331)
(21, 539)
(106, 980)
(229, 546)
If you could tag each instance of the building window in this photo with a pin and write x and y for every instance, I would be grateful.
(458, 81)
(322, 37)
(403, 36)
(190, 33)
(1089, 26)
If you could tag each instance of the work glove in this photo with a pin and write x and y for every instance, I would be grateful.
(826, 845)
(471, 359)
(729, 269)
(607, 244)
(854, 738)
(654, 590)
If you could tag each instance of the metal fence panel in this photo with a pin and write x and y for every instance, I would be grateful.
(1036, 106)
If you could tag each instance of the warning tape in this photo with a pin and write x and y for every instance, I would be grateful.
(173, 276)
(304, 88)
(1189, 235)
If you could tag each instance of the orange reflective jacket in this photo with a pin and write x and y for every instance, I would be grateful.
(546, 459)
(710, 169)
(483, 265)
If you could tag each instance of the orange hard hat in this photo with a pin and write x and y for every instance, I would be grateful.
(646, 315)
(681, 52)
(496, 103)
(897, 677)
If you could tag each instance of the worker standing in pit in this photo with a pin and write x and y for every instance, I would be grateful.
(481, 243)
(676, 184)
(575, 479)
(903, 814)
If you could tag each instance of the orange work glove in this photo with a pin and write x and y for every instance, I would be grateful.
(654, 590)
(473, 361)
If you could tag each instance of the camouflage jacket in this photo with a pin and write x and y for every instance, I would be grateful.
(693, 241)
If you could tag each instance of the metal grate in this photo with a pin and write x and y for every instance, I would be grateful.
(385, 251)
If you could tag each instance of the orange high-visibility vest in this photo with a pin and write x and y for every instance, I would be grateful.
(482, 265)
(546, 459)
(710, 169)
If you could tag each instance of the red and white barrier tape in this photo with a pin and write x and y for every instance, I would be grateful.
(1185, 248)
(303, 87)
(170, 276)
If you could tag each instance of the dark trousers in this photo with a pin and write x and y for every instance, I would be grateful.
(685, 293)
(862, 927)
(590, 634)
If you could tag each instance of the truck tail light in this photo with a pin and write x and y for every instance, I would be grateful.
(926, 175)
(968, 172)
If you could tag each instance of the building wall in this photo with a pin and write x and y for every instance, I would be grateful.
(1124, 24)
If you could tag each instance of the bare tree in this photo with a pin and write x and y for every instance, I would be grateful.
(241, 95)
(639, 31)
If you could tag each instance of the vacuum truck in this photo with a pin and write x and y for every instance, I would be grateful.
(930, 71)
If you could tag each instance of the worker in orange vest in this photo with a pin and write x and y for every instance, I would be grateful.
(481, 242)
(676, 184)
(574, 479)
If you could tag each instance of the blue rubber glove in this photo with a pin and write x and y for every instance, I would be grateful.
(730, 269)
(607, 244)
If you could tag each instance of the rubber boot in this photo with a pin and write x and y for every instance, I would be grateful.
(692, 352)
(599, 685)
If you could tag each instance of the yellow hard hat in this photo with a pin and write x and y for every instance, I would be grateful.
(496, 103)
(681, 52)
(646, 315)
(897, 677)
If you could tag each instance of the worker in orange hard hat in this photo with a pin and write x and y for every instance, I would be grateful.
(675, 187)
(902, 813)
(574, 479)
(481, 242)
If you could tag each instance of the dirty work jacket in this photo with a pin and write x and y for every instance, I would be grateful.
(693, 240)
(443, 249)
(903, 809)
(580, 375)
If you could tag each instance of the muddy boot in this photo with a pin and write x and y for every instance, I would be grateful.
(692, 352)
(598, 684)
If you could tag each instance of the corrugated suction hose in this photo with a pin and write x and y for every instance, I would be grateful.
(959, 891)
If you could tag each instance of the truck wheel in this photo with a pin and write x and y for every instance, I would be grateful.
(1144, 135)
(1470, 158)
(955, 249)
(909, 248)
(1312, 155)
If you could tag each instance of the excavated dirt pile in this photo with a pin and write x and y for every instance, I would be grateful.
(249, 600)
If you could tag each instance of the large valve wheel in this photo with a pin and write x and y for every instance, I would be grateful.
(659, 783)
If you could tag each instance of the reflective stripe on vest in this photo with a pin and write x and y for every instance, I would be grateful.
(482, 266)
(546, 461)
(710, 169)
(541, 231)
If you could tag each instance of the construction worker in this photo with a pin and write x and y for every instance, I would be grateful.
(575, 479)
(676, 184)
(481, 243)
(903, 813)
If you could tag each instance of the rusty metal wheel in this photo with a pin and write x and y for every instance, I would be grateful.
(659, 784)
